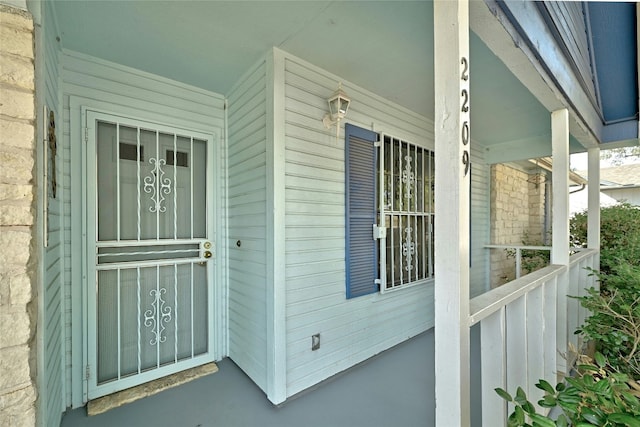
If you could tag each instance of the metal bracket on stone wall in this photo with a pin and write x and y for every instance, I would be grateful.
(45, 173)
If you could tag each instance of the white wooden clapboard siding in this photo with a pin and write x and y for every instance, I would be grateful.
(144, 96)
(629, 195)
(52, 388)
(356, 329)
(247, 224)
(480, 211)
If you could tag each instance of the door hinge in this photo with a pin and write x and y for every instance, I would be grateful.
(86, 134)
(87, 372)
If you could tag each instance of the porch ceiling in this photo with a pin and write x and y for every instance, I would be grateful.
(383, 46)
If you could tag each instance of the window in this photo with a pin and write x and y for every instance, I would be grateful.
(389, 208)
(131, 152)
(407, 212)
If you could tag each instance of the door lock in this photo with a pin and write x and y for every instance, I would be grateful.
(207, 245)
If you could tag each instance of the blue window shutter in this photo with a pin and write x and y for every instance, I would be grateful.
(360, 183)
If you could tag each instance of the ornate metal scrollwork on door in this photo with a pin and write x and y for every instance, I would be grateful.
(157, 316)
(156, 185)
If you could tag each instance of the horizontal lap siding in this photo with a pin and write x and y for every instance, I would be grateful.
(247, 224)
(351, 330)
(480, 199)
(628, 195)
(151, 98)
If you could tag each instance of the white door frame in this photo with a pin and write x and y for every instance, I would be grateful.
(216, 305)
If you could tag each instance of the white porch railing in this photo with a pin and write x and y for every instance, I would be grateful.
(518, 253)
(517, 249)
(526, 328)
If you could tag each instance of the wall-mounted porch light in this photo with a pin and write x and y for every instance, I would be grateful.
(338, 106)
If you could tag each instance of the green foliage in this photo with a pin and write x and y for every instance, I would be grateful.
(619, 235)
(618, 156)
(615, 320)
(531, 259)
(598, 396)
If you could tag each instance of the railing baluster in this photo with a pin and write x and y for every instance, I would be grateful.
(494, 374)
(550, 353)
(573, 311)
(562, 320)
(517, 362)
(535, 342)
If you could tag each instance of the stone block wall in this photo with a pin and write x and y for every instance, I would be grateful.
(517, 214)
(537, 202)
(18, 308)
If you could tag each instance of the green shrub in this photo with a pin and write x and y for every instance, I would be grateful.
(614, 324)
(530, 259)
(597, 396)
(619, 235)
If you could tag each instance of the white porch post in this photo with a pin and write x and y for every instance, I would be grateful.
(593, 213)
(560, 183)
(593, 230)
(276, 295)
(560, 227)
(451, 54)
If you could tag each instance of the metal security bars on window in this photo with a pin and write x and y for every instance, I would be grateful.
(405, 213)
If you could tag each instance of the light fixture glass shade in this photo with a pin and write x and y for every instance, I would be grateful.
(338, 107)
(338, 104)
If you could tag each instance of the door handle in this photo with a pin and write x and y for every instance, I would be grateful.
(207, 254)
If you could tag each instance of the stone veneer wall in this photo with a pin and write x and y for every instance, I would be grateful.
(18, 265)
(537, 212)
(517, 211)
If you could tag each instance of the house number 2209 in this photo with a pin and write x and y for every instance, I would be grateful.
(466, 161)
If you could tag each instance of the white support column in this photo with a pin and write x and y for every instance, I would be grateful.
(452, 147)
(276, 292)
(593, 213)
(560, 183)
(593, 230)
(560, 227)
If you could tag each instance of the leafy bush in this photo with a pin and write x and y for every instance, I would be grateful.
(597, 396)
(619, 235)
(530, 259)
(615, 320)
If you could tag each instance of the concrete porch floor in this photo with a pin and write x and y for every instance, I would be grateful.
(393, 389)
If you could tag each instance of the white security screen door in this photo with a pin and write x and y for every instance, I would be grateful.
(150, 251)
